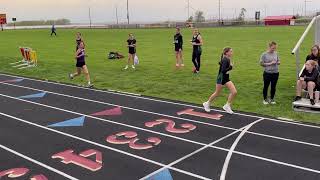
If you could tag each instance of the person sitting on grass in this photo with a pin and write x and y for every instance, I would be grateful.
(308, 79)
(81, 64)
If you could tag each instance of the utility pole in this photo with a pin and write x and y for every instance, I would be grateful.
(305, 7)
(219, 11)
(90, 17)
(128, 12)
(117, 15)
(188, 9)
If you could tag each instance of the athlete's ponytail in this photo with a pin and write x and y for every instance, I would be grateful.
(224, 52)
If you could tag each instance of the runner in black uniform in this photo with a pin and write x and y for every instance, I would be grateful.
(132, 50)
(81, 64)
(197, 50)
(78, 40)
(178, 44)
(223, 80)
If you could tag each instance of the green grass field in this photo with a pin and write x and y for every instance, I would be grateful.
(156, 75)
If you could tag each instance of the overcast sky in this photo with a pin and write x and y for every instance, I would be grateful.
(103, 11)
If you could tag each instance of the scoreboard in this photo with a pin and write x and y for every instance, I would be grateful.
(3, 19)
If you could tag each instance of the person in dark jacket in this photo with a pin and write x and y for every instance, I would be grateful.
(308, 80)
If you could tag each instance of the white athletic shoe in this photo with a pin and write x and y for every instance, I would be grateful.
(125, 68)
(273, 102)
(133, 67)
(228, 109)
(206, 106)
(265, 102)
(70, 76)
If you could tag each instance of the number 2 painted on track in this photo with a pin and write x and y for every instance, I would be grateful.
(171, 126)
(130, 138)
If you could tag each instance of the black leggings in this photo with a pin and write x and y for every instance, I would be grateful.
(53, 32)
(270, 78)
(196, 58)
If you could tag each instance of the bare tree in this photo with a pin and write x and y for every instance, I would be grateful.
(199, 16)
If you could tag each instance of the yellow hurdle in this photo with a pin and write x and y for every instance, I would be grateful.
(33, 57)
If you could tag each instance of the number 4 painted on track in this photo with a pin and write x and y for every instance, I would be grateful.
(81, 160)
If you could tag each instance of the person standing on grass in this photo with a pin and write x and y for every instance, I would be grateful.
(78, 40)
(132, 44)
(81, 64)
(178, 43)
(223, 79)
(196, 42)
(53, 30)
(308, 80)
(270, 61)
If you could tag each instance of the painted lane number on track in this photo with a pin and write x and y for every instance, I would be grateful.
(170, 126)
(19, 172)
(191, 112)
(81, 160)
(130, 138)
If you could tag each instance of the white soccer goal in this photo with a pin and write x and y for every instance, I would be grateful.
(296, 51)
(304, 104)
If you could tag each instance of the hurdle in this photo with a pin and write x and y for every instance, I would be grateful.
(32, 59)
(22, 51)
(29, 59)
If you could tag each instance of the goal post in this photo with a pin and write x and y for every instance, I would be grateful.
(315, 22)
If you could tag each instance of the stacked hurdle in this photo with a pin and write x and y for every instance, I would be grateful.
(29, 59)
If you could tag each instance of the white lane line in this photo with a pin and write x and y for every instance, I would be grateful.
(234, 145)
(105, 120)
(124, 107)
(249, 155)
(157, 100)
(175, 117)
(191, 154)
(37, 162)
(101, 145)
(270, 160)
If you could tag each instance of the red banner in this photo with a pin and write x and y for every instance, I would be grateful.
(3, 19)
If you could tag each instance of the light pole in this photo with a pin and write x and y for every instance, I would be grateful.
(128, 12)
(90, 17)
(305, 7)
(219, 11)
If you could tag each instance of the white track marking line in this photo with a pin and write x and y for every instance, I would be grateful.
(233, 147)
(270, 160)
(124, 107)
(104, 120)
(37, 162)
(245, 154)
(100, 145)
(191, 154)
(156, 100)
(175, 117)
